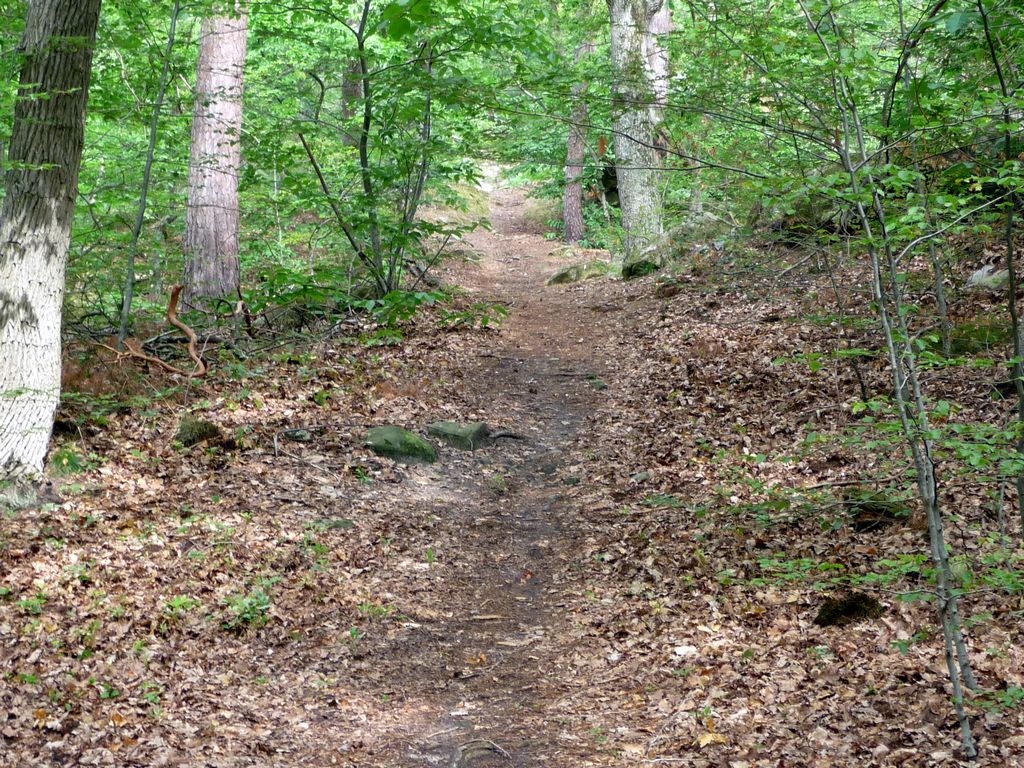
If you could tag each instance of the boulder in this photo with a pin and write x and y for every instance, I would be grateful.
(577, 272)
(400, 444)
(988, 278)
(466, 437)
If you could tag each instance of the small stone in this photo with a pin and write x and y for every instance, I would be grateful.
(400, 444)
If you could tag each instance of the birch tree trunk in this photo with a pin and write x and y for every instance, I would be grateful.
(35, 224)
(640, 67)
(211, 227)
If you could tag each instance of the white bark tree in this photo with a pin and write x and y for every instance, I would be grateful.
(35, 224)
(211, 226)
(641, 71)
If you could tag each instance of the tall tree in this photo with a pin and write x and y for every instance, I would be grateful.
(572, 203)
(212, 220)
(35, 224)
(640, 65)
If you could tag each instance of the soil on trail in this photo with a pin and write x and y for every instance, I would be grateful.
(485, 673)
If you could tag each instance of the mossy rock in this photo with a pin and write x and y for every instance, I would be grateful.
(848, 609)
(466, 437)
(400, 444)
(193, 431)
(871, 510)
(641, 266)
(578, 253)
(579, 272)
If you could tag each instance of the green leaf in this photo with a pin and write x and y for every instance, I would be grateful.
(399, 28)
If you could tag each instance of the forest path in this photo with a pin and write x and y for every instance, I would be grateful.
(489, 670)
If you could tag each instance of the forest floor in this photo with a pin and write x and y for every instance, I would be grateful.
(631, 579)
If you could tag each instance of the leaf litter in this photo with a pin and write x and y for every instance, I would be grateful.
(633, 583)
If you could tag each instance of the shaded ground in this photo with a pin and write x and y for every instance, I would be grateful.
(631, 579)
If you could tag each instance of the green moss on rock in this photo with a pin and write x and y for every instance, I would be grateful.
(193, 431)
(467, 437)
(577, 272)
(640, 267)
(400, 444)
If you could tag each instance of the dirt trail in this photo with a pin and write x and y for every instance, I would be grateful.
(490, 668)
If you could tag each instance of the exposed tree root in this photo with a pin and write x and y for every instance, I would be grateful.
(134, 346)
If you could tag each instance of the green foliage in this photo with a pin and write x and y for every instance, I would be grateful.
(178, 606)
(248, 610)
(482, 314)
(34, 605)
(397, 307)
(67, 461)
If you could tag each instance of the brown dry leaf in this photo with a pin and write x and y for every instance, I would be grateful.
(710, 738)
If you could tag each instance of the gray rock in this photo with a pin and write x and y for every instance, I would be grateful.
(400, 444)
(577, 272)
(988, 278)
(467, 437)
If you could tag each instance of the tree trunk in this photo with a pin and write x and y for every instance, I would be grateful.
(572, 203)
(211, 228)
(640, 65)
(35, 224)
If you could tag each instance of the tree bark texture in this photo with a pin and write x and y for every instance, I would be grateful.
(572, 202)
(35, 224)
(640, 67)
(211, 228)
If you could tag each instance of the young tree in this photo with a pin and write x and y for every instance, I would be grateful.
(35, 224)
(640, 67)
(211, 227)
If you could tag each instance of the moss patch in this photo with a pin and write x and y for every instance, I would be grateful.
(400, 444)
(193, 431)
